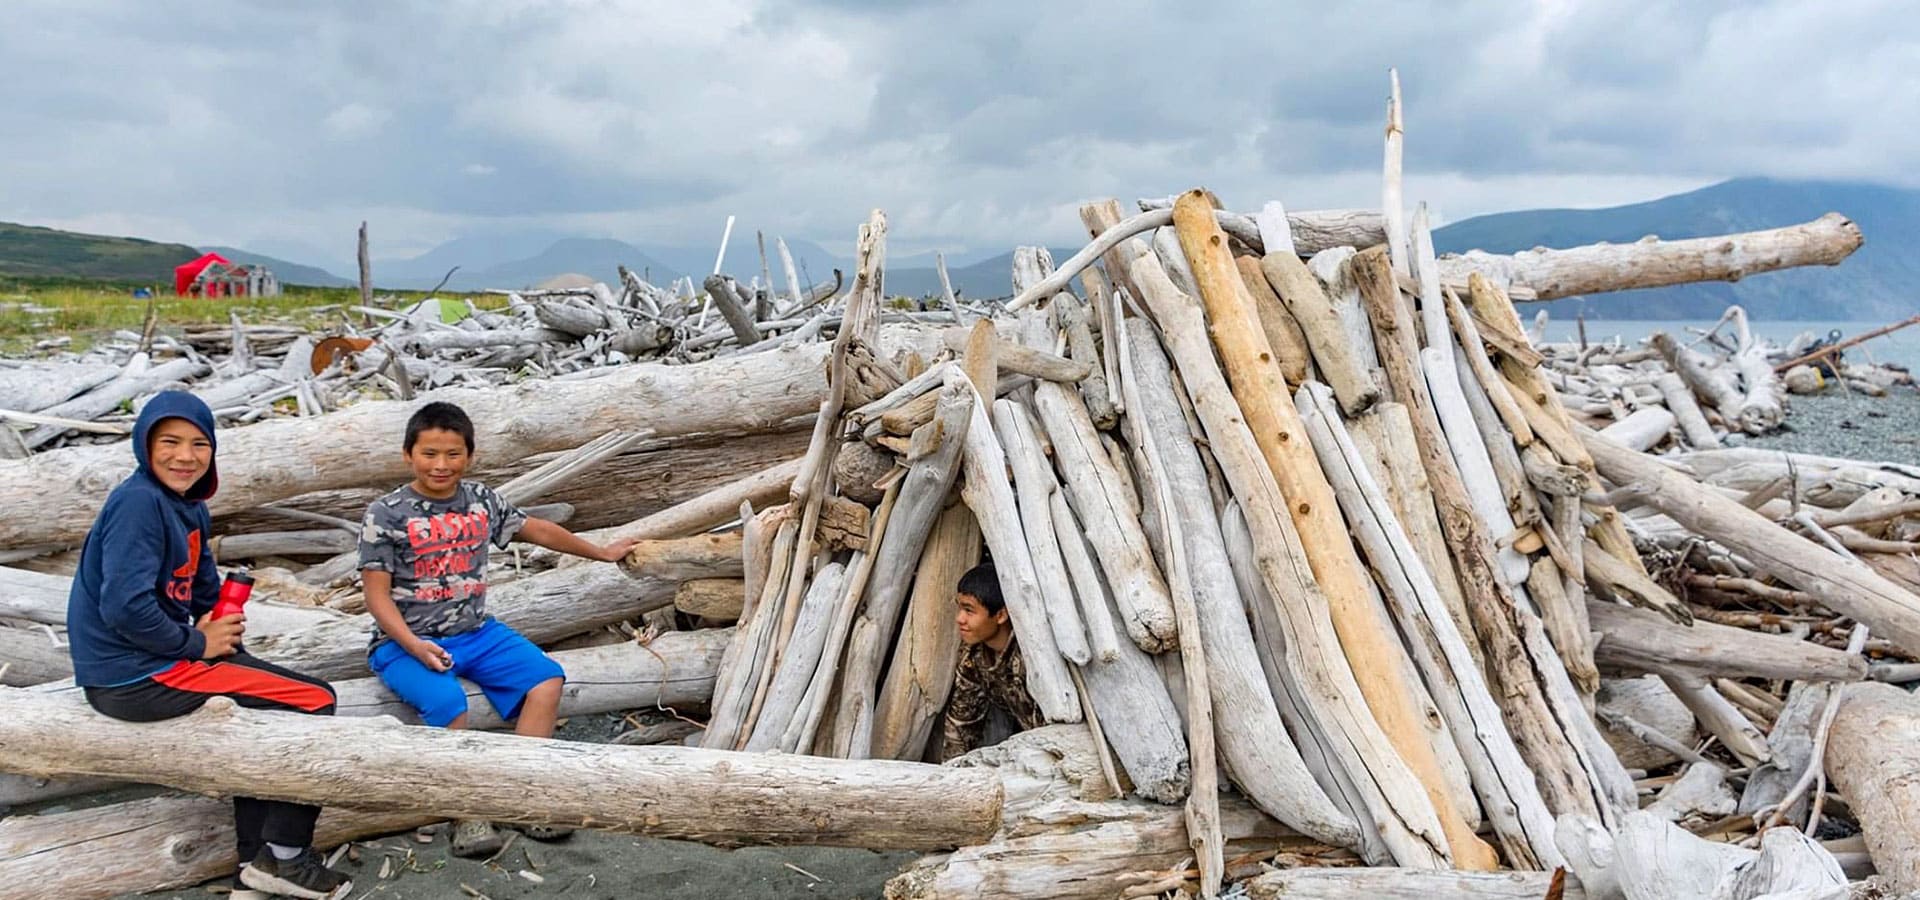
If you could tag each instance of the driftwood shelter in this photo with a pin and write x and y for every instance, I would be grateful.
(1325, 584)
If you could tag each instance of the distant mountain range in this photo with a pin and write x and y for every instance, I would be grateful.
(1875, 283)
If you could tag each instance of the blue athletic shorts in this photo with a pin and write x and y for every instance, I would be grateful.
(505, 666)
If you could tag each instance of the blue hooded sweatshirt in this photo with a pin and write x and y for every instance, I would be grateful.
(146, 570)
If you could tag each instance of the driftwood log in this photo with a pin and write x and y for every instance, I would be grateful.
(714, 796)
(1844, 585)
(60, 491)
(1650, 262)
(1871, 760)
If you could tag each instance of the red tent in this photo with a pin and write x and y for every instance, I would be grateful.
(183, 275)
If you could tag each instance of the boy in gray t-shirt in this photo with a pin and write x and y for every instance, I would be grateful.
(423, 560)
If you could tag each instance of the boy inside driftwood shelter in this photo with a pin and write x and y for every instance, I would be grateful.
(990, 682)
(423, 560)
(146, 647)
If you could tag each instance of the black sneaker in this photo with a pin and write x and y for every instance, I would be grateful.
(303, 876)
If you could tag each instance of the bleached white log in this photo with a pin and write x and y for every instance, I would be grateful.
(1846, 586)
(1693, 423)
(1643, 640)
(1718, 715)
(1470, 455)
(1337, 356)
(1085, 857)
(987, 492)
(33, 656)
(1102, 501)
(1260, 758)
(1762, 405)
(1643, 429)
(1650, 262)
(136, 380)
(57, 493)
(1333, 269)
(1405, 884)
(1709, 380)
(1470, 714)
(680, 792)
(1034, 486)
(800, 657)
(1644, 722)
(1791, 743)
(1870, 760)
(1089, 586)
(1701, 791)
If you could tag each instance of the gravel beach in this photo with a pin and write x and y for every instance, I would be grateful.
(1856, 426)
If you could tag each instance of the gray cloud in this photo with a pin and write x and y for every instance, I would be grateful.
(975, 126)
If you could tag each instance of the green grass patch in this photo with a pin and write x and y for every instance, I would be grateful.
(33, 310)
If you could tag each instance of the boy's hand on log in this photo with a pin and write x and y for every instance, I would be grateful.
(223, 635)
(430, 654)
(617, 550)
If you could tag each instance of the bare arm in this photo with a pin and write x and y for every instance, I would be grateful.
(386, 614)
(554, 537)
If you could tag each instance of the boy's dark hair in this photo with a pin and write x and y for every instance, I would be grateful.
(439, 415)
(983, 584)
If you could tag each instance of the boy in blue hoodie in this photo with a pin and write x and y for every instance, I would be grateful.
(145, 647)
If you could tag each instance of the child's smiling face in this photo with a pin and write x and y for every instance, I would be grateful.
(179, 453)
(439, 459)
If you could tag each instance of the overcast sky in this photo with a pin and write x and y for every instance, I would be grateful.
(278, 126)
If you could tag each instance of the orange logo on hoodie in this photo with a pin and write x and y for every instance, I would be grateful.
(181, 587)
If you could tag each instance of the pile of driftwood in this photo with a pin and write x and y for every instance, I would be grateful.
(1324, 589)
(1669, 394)
(252, 371)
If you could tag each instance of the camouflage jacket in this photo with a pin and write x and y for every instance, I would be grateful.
(985, 680)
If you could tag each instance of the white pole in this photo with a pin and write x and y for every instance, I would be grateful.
(724, 237)
(718, 258)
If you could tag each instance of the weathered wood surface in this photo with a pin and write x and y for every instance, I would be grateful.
(918, 682)
(1374, 654)
(1597, 268)
(713, 796)
(1406, 884)
(1279, 558)
(1086, 856)
(1846, 586)
(1645, 641)
(32, 656)
(718, 600)
(155, 844)
(1099, 494)
(1870, 759)
(674, 669)
(1468, 710)
(58, 493)
(1339, 360)
(1514, 674)
(652, 476)
(989, 494)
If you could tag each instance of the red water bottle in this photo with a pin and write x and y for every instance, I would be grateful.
(233, 594)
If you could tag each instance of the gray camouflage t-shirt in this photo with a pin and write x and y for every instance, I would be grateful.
(436, 551)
